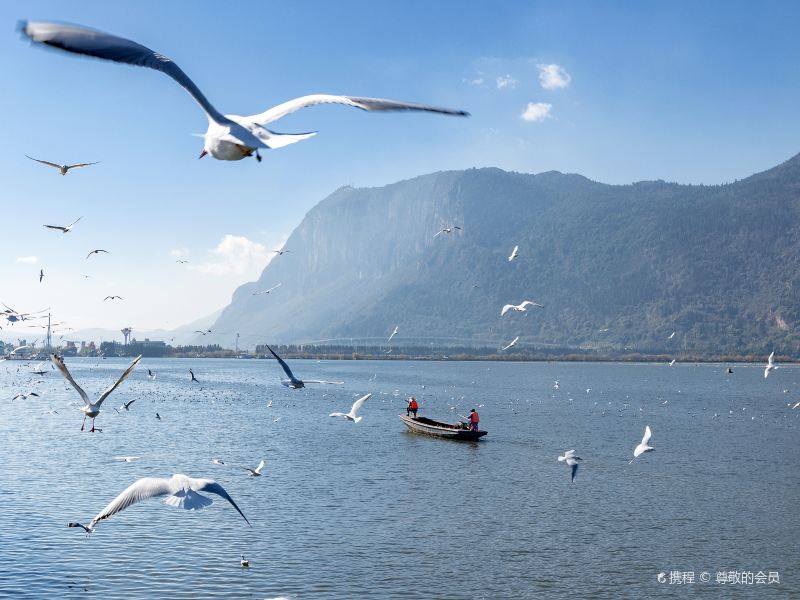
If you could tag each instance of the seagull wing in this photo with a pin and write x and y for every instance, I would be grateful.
(372, 104)
(527, 303)
(321, 381)
(359, 403)
(506, 308)
(122, 378)
(439, 232)
(260, 466)
(89, 42)
(73, 223)
(337, 414)
(59, 227)
(59, 363)
(209, 485)
(148, 487)
(770, 360)
(284, 366)
(79, 165)
(647, 434)
(45, 162)
(273, 288)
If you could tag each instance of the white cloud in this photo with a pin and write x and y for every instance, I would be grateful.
(553, 77)
(506, 82)
(236, 255)
(477, 81)
(536, 112)
(27, 259)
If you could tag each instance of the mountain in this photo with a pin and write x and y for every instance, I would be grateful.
(616, 266)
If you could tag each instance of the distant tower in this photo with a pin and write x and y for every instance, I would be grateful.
(237, 343)
(127, 333)
(48, 339)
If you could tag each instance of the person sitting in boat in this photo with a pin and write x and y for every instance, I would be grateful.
(474, 419)
(412, 407)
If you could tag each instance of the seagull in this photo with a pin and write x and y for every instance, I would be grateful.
(351, 416)
(513, 343)
(257, 471)
(523, 307)
(265, 291)
(158, 416)
(571, 460)
(127, 405)
(447, 230)
(91, 409)
(66, 229)
(181, 492)
(293, 382)
(126, 458)
(672, 362)
(182, 261)
(671, 335)
(269, 404)
(41, 275)
(112, 298)
(229, 137)
(150, 375)
(394, 333)
(281, 252)
(203, 332)
(796, 405)
(555, 385)
(514, 254)
(98, 251)
(193, 377)
(770, 364)
(63, 169)
(644, 446)
(244, 562)
(217, 461)
(25, 396)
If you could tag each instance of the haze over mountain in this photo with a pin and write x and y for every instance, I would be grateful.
(616, 266)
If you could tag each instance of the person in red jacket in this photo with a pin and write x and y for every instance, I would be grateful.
(474, 419)
(412, 407)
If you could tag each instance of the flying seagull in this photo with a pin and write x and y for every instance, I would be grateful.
(523, 307)
(66, 229)
(267, 291)
(671, 335)
(447, 230)
(62, 168)
(98, 251)
(513, 343)
(150, 375)
(514, 254)
(672, 362)
(770, 364)
(193, 377)
(25, 396)
(293, 382)
(257, 471)
(41, 275)
(203, 332)
(394, 333)
(91, 409)
(112, 298)
(126, 458)
(181, 491)
(229, 137)
(571, 460)
(127, 405)
(281, 252)
(644, 446)
(182, 261)
(351, 416)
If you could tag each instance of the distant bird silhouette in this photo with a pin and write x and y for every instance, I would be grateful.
(292, 381)
(281, 252)
(41, 275)
(447, 230)
(65, 229)
(98, 251)
(770, 364)
(257, 471)
(522, 307)
(182, 261)
(267, 291)
(63, 169)
(571, 460)
(112, 298)
(514, 254)
(193, 377)
(394, 333)
(513, 343)
(150, 375)
(202, 332)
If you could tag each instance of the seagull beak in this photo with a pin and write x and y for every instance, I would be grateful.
(203, 153)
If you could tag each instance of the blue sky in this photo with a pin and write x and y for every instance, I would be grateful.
(683, 91)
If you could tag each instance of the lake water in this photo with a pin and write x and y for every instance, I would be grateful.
(368, 510)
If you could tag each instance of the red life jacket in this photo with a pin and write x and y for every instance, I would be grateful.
(413, 405)
(474, 418)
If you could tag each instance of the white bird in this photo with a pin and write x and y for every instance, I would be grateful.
(65, 229)
(280, 252)
(672, 362)
(796, 405)
(513, 343)
(180, 491)
(267, 291)
(269, 404)
(671, 335)
(292, 381)
(351, 416)
(523, 307)
(394, 333)
(257, 471)
(571, 460)
(126, 458)
(447, 230)
(91, 409)
(644, 446)
(150, 375)
(24, 396)
(244, 562)
(514, 254)
(127, 405)
(229, 137)
(217, 461)
(770, 364)
(555, 385)
(63, 169)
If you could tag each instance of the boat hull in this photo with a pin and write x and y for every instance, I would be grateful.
(438, 429)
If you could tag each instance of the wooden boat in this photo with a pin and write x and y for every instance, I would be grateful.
(438, 429)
